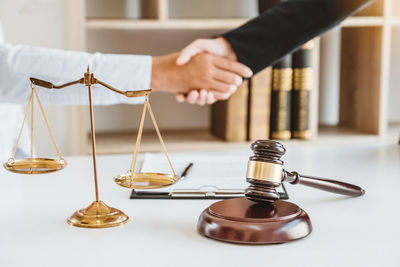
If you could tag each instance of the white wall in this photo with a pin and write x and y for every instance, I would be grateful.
(213, 8)
(39, 23)
(113, 8)
(329, 78)
(394, 91)
(34, 22)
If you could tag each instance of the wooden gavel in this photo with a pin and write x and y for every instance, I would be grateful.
(265, 173)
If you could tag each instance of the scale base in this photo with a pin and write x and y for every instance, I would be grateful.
(240, 220)
(98, 215)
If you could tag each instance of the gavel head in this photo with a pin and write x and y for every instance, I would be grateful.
(264, 171)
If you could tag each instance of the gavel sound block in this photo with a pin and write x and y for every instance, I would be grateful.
(260, 217)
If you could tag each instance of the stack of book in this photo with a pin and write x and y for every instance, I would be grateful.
(274, 103)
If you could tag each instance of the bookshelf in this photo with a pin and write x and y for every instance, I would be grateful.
(364, 66)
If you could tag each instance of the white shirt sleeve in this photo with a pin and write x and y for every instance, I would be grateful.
(19, 62)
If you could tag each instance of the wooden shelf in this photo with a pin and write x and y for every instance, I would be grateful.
(198, 24)
(202, 139)
(176, 140)
(152, 24)
(366, 21)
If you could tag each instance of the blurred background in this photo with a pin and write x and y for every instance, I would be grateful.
(343, 109)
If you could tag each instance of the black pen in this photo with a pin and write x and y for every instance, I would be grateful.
(150, 194)
(185, 172)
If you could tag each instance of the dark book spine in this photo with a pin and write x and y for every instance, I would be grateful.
(282, 75)
(302, 85)
(229, 117)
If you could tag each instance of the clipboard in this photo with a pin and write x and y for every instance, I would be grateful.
(214, 175)
(198, 194)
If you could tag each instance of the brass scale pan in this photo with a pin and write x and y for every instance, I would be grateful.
(138, 180)
(145, 180)
(35, 165)
(141, 180)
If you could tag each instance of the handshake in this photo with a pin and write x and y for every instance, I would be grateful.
(202, 73)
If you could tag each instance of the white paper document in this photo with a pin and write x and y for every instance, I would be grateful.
(211, 171)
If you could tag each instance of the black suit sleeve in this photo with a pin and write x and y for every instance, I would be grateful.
(286, 26)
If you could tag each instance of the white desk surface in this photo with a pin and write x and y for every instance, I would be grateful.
(361, 231)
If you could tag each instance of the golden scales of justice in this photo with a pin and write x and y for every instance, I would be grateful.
(97, 214)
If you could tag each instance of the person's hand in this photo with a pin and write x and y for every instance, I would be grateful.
(200, 97)
(218, 46)
(215, 74)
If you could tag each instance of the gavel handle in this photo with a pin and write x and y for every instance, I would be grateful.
(324, 184)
